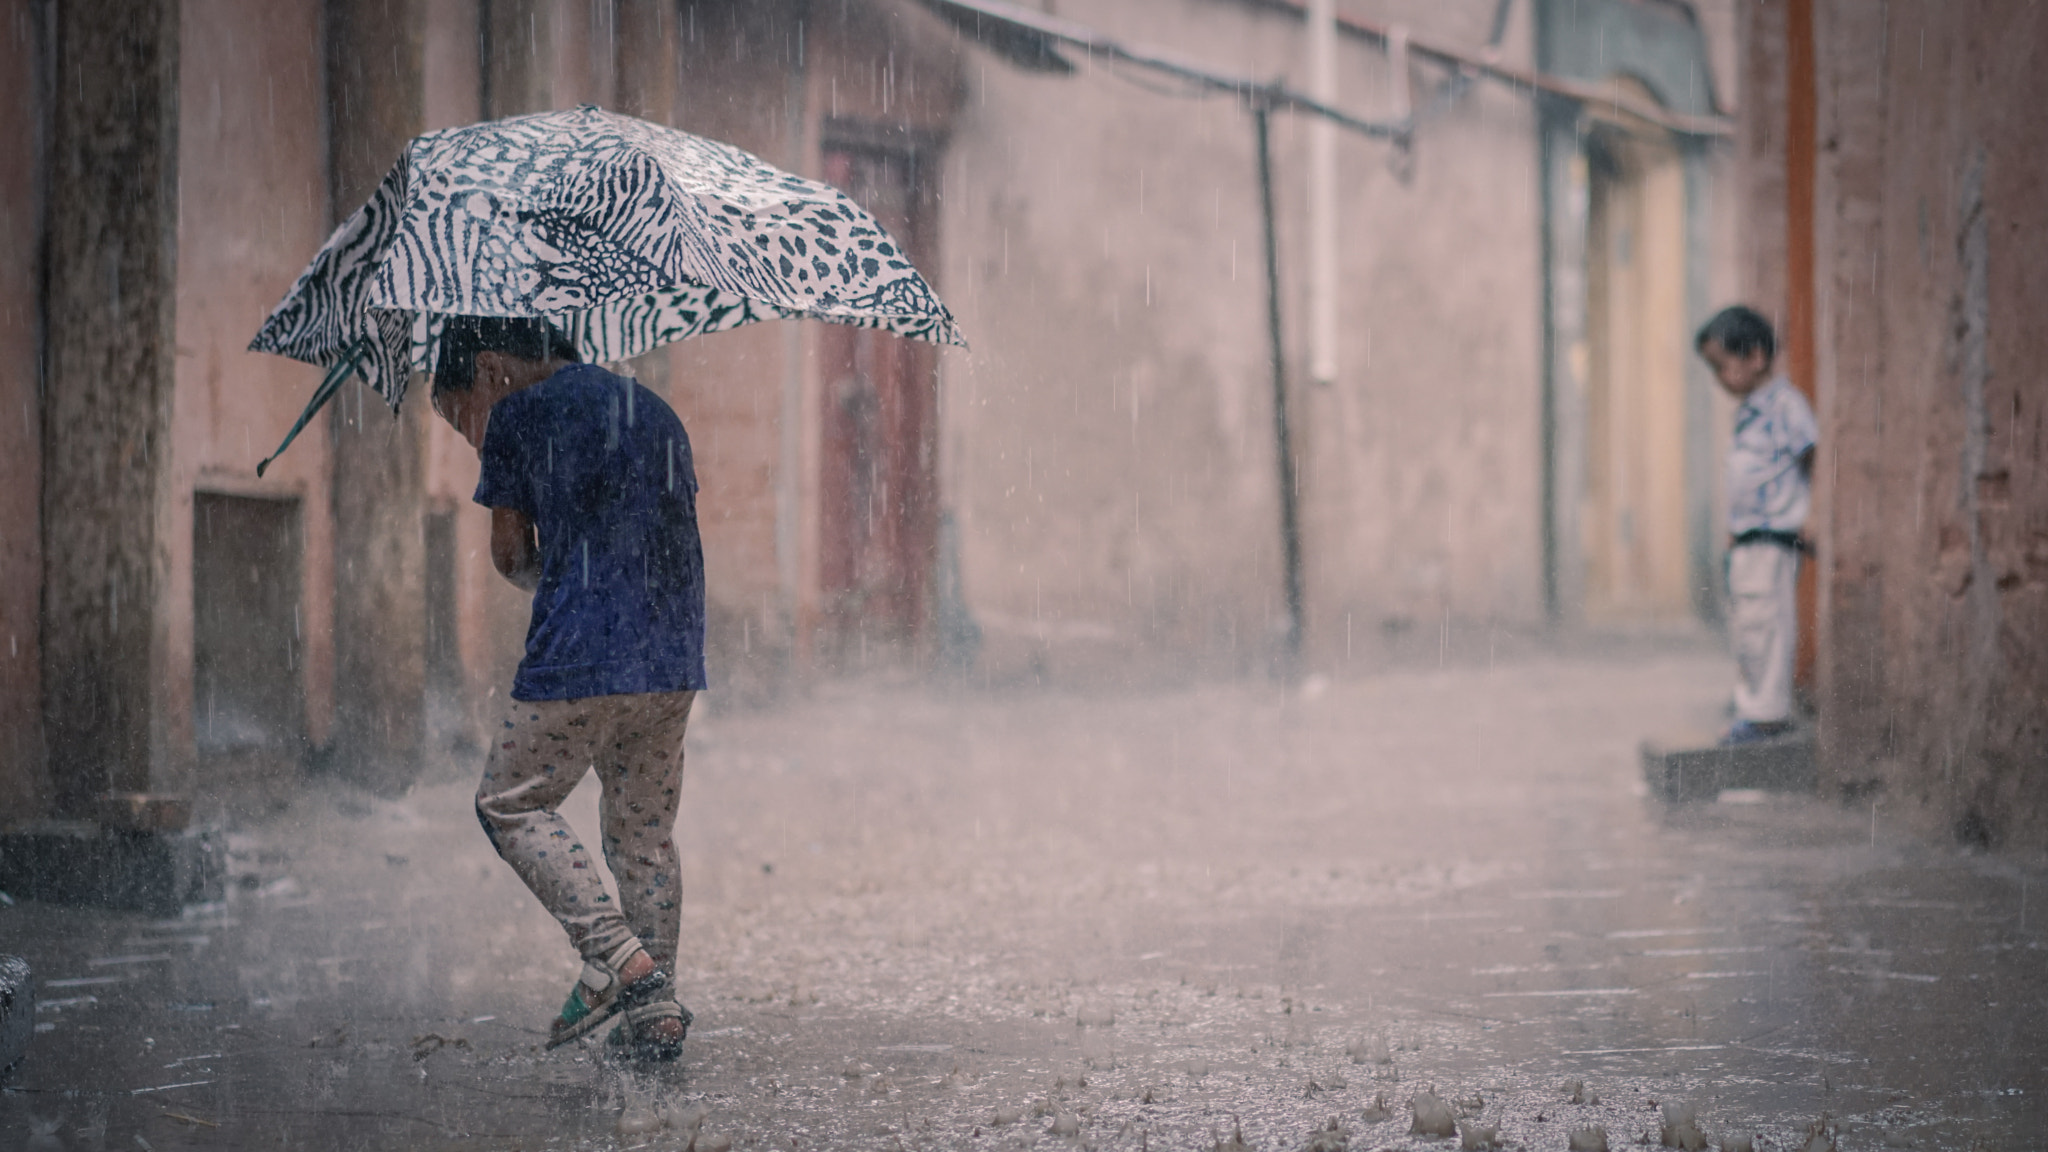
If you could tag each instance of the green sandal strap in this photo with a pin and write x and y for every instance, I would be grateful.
(599, 994)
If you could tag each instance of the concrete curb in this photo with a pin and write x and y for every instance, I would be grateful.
(81, 862)
(1694, 768)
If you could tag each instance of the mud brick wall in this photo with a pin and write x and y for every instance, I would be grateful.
(1933, 215)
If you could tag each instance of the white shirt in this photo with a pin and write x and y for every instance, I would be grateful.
(1774, 427)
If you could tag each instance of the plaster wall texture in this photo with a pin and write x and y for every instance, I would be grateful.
(1112, 430)
(1934, 672)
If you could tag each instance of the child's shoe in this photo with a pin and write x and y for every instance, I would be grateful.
(641, 1037)
(601, 994)
(1754, 732)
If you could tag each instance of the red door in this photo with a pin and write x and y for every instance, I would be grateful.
(879, 490)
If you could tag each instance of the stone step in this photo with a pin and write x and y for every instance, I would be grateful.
(1692, 767)
(82, 862)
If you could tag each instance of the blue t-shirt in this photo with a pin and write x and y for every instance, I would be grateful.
(602, 467)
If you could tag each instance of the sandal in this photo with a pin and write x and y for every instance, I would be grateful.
(600, 995)
(636, 1040)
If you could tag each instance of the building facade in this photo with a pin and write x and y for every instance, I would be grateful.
(1514, 435)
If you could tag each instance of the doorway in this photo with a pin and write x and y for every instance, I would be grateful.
(878, 487)
(248, 693)
(1634, 521)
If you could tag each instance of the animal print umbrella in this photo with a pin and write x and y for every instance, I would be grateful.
(625, 234)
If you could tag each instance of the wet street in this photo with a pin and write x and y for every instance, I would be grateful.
(1169, 919)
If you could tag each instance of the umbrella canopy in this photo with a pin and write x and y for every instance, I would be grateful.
(625, 234)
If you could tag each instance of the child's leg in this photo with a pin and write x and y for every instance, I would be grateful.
(542, 749)
(1763, 581)
(641, 768)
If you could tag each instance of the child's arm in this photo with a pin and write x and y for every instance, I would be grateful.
(515, 548)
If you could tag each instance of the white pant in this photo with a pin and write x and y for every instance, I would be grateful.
(1763, 618)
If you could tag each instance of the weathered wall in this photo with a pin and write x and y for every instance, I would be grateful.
(253, 189)
(1851, 564)
(1761, 157)
(737, 82)
(1692, 67)
(112, 234)
(375, 104)
(24, 786)
(490, 614)
(1934, 671)
(1111, 433)
(773, 79)
(1423, 486)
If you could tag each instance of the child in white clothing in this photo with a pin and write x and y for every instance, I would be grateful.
(1770, 486)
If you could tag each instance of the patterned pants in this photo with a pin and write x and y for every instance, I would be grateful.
(541, 752)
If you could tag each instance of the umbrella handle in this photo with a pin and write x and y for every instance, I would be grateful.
(336, 376)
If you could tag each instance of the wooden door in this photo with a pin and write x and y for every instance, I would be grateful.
(1635, 523)
(878, 487)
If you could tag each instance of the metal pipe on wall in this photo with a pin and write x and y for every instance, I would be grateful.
(1322, 194)
(1283, 438)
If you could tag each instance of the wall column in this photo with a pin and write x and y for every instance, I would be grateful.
(375, 65)
(24, 85)
(112, 234)
(1799, 332)
(1849, 477)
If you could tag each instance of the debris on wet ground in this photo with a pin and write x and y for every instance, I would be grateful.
(1432, 1117)
(1681, 1128)
(432, 1042)
(1476, 1137)
(1331, 1137)
(1820, 1136)
(1236, 1142)
(1095, 1016)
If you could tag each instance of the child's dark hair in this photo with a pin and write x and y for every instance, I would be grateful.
(524, 337)
(1741, 330)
